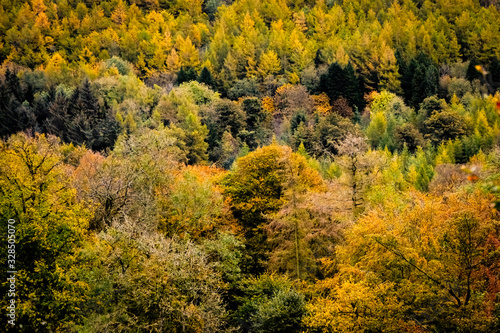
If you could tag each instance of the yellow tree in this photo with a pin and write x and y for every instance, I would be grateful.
(256, 188)
(120, 13)
(269, 64)
(188, 54)
(389, 70)
(50, 229)
(415, 264)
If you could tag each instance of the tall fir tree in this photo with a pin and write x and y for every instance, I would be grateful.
(339, 81)
(206, 77)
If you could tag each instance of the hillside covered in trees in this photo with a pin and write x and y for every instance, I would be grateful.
(251, 165)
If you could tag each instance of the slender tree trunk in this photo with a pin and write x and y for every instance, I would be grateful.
(296, 232)
(297, 247)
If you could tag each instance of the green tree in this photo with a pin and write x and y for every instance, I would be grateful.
(186, 74)
(329, 132)
(419, 79)
(192, 206)
(206, 77)
(221, 117)
(445, 125)
(377, 129)
(421, 171)
(16, 114)
(258, 123)
(271, 304)
(142, 280)
(407, 135)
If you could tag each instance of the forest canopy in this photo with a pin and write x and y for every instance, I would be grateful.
(251, 165)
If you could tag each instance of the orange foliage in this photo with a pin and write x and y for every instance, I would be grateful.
(322, 104)
(268, 104)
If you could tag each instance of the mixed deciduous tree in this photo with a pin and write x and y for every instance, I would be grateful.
(125, 227)
(416, 268)
(256, 188)
(143, 281)
(271, 304)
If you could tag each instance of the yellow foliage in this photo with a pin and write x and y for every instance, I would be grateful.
(282, 89)
(173, 61)
(38, 6)
(56, 65)
(403, 258)
(293, 78)
(322, 103)
(443, 155)
(268, 104)
(120, 14)
(86, 56)
(42, 21)
(269, 63)
(188, 54)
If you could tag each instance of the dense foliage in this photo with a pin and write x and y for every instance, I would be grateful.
(251, 165)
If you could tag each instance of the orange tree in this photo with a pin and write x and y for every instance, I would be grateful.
(425, 265)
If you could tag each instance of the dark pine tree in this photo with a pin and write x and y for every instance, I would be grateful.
(84, 101)
(472, 73)
(58, 118)
(344, 82)
(186, 74)
(419, 79)
(84, 113)
(254, 113)
(256, 119)
(494, 69)
(406, 70)
(41, 109)
(79, 119)
(14, 116)
(206, 77)
(230, 117)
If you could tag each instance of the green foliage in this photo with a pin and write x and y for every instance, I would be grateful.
(271, 304)
(186, 74)
(408, 136)
(122, 66)
(443, 126)
(258, 123)
(142, 280)
(191, 139)
(377, 129)
(330, 131)
(140, 234)
(205, 77)
(419, 79)
(193, 205)
(257, 183)
(80, 120)
(421, 172)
